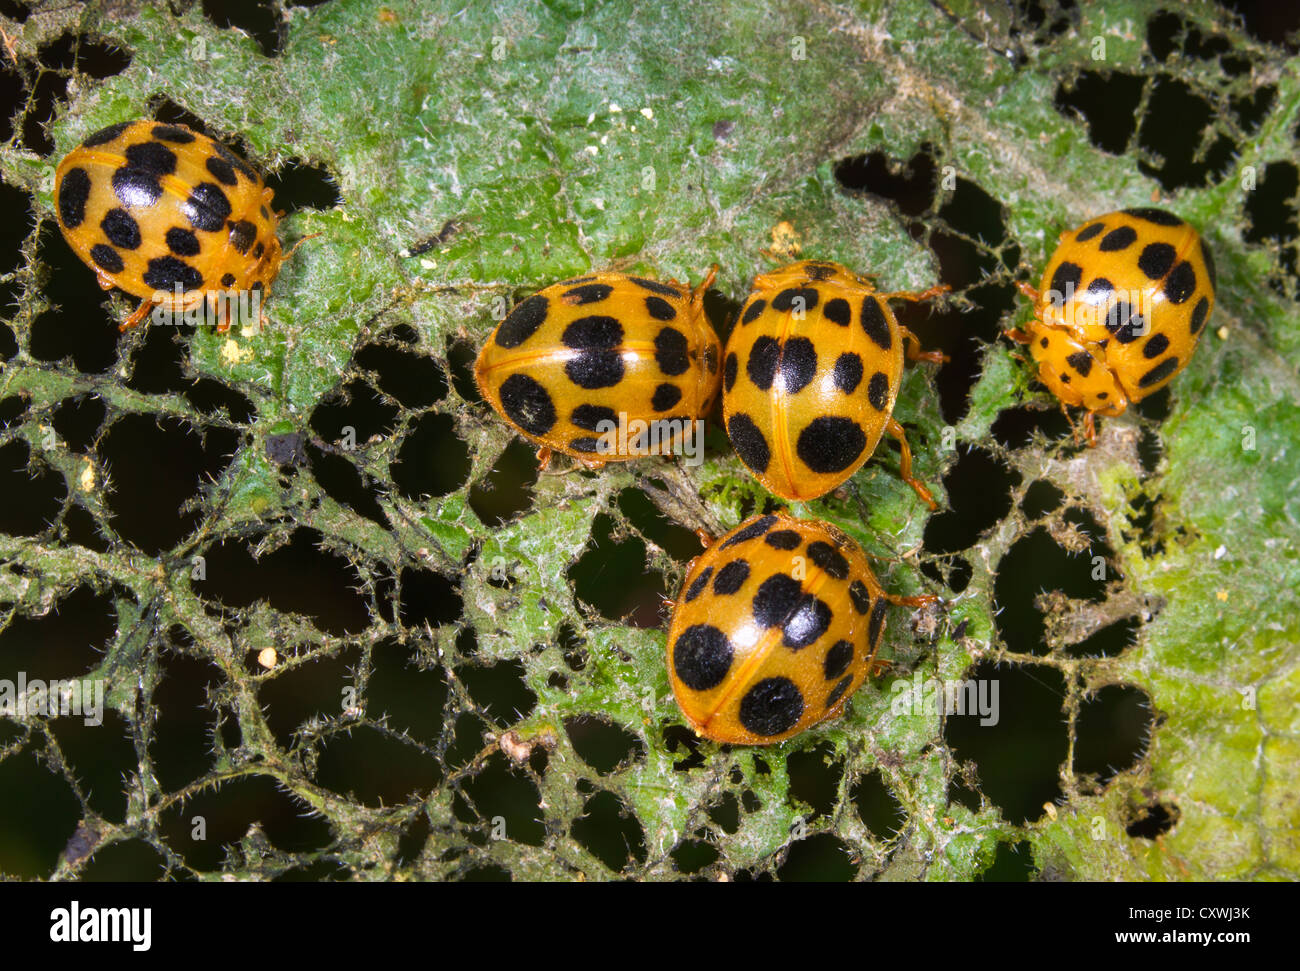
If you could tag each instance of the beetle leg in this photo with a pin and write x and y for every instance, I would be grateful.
(914, 353)
(913, 296)
(920, 600)
(543, 458)
(905, 465)
(294, 248)
(1090, 429)
(1017, 335)
(1029, 291)
(707, 282)
(140, 313)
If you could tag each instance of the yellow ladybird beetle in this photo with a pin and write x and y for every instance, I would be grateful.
(159, 209)
(776, 625)
(810, 376)
(604, 367)
(1120, 309)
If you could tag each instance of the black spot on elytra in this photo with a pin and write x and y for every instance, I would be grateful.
(699, 583)
(763, 359)
(1181, 283)
(183, 242)
(590, 416)
(150, 157)
(1156, 259)
(798, 364)
(172, 133)
(74, 190)
(877, 624)
(848, 372)
(665, 396)
(828, 558)
(776, 600)
(595, 369)
(1119, 238)
(1158, 216)
(249, 172)
(136, 189)
(801, 298)
(875, 323)
(1100, 287)
(242, 235)
(702, 657)
(772, 706)
(1123, 323)
(838, 691)
(227, 279)
(1199, 313)
(106, 135)
(522, 322)
(1081, 361)
(599, 366)
(527, 404)
(809, 621)
(783, 539)
(1065, 281)
(120, 228)
(106, 258)
(164, 272)
(1155, 346)
(748, 441)
(584, 444)
(753, 310)
(1210, 269)
(860, 596)
(830, 443)
(588, 293)
(659, 308)
(729, 371)
(671, 349)
(222, 170)
(207, 208)
(654, 286)
(837, 660)
(878, 391)
(731, 577)
(1158, 373)
(755, 529)
(838, 311)
(1088, 232)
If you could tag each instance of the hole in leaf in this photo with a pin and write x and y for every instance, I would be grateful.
(260, 19)
(602, 744)
(507, 491)
(160, 464)
(375, 768)
(506, 799)
(611, 576)
(821, 857)
(878, 808)
(302, 576)
(1018, 759)
(1111, 731)
(610, 832)
(299, 186)
(500, 690)
(432, 459)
